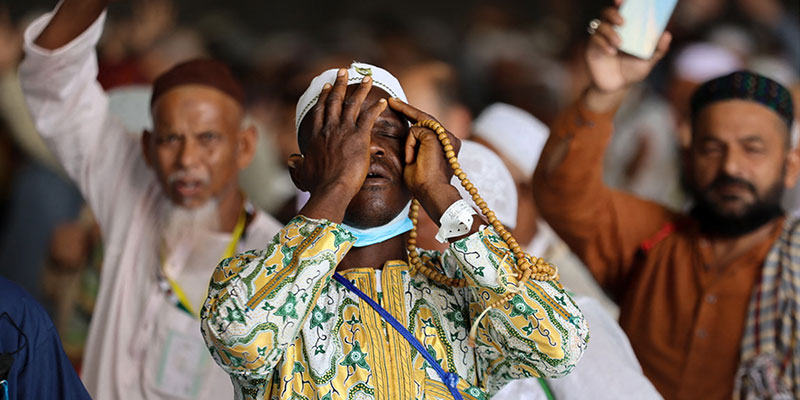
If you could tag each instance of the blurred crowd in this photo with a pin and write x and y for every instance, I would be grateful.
(451, 69)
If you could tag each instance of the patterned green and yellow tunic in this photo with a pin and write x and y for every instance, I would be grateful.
(283, 329)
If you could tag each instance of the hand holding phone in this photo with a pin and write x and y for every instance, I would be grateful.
(613, 71)
(645, 21)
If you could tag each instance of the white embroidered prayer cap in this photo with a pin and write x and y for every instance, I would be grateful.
(495, 184)
(514, 132)
(381, 78)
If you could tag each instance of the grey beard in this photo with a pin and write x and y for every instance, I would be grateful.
(179, 224)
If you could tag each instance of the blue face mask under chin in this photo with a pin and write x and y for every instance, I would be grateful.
(399, 225)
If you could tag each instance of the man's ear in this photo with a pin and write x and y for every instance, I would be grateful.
(792, 167)
(294, 163)
(147, 147)
(246, 142)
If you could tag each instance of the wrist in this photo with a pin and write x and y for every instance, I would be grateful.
(329, 203)
(603, 101)
(436, 198)
(456, 222)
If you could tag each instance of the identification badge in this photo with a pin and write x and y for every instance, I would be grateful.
(183, 367)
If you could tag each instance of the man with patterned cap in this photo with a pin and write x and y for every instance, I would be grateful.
(341, 305)
(709, 299)
(168, 204)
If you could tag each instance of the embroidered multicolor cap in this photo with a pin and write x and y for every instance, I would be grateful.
(745, 85)
(355, 74)
(200, 71)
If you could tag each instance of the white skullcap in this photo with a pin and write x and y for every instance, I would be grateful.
(380, 78)
(490, 176)
(700, 62)
(513, 132)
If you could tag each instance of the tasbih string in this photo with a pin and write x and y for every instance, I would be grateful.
(527, 266)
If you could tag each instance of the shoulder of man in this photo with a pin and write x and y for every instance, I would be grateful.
(263, 227)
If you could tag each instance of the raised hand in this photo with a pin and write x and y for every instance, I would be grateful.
(427, 173)
(336, 152)
(611, 71)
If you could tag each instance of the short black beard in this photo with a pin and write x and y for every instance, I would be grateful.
(758, 214)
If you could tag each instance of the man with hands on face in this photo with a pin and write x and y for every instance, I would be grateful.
(709, 299)
(278, 323)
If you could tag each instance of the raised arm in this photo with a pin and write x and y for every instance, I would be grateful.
(602, 226)
(70, 20)
(69, 107)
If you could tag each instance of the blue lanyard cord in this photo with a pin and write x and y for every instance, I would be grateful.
(450, 379)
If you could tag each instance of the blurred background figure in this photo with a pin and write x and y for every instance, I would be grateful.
(435, 86)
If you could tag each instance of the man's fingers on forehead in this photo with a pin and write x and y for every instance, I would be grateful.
(368, 116)
(409, 111)
(354, 102)
(318, 111)
(323, 94)
(333, 105)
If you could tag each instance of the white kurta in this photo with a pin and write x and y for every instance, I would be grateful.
(140, 345)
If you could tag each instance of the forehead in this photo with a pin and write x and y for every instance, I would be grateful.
(195, 104)
(735, 119)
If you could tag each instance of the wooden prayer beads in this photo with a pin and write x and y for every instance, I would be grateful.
(527, 266)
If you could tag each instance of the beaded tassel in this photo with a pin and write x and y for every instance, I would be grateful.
(527, 266)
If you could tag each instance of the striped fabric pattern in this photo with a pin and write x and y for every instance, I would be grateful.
(770, 351)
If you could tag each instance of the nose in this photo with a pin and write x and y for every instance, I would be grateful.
(732, 163)
(376, 148)
(189, 153)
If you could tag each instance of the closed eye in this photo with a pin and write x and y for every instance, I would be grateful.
(390, 135)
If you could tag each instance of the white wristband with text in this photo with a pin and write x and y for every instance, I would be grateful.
(456, 221)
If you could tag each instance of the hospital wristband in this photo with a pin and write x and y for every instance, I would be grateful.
(456, 221)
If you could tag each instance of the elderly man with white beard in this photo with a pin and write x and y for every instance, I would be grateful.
(169, 207)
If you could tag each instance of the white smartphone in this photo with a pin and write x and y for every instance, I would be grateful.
(645, 21)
